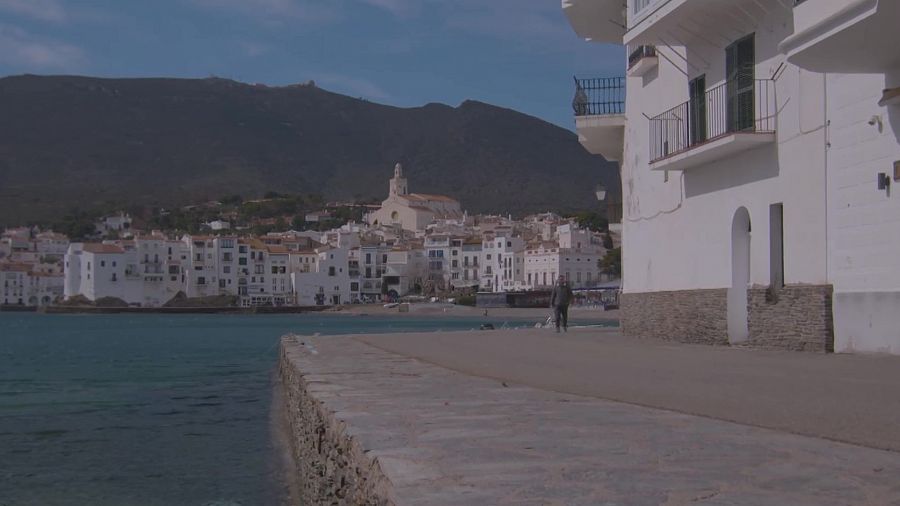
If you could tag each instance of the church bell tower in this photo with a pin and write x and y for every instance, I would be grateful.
(398, 182)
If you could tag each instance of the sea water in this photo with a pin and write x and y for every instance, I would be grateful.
(153, 409)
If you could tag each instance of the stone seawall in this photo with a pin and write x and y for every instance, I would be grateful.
(794, 317)
(332, 467)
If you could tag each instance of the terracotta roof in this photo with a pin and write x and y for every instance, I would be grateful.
(10, 267)
(429, 197)
(102, 249)
(45, 274)
(277, 249)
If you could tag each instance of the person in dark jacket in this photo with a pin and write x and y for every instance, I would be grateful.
(560, 299)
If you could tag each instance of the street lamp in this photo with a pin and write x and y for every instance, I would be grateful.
(600, 191)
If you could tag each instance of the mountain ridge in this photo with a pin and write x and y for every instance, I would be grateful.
(82, 142)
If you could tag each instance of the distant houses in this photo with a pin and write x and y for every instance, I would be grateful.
(413, 244)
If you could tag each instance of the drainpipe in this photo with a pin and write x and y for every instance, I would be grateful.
(827, 149)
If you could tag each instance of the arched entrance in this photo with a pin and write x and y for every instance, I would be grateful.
(740, 277)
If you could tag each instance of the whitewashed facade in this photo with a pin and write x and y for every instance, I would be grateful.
(756, 139)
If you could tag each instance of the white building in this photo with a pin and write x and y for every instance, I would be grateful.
(117, 223)
(217, 225)
(406, 269)
(758, 141)
(145, 272)
(22, 285)
(329, 284)
(504, 262)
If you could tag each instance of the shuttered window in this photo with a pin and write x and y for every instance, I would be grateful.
(740, 66)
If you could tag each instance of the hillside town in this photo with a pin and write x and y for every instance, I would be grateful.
(412, 244)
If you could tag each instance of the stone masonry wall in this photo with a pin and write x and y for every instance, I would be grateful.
(690, 316)
(795, 317)
(332, 467)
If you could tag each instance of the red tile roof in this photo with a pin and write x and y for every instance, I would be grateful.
(102, 249)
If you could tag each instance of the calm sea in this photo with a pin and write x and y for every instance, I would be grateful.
(150, 409)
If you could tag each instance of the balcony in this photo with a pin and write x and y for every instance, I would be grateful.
(686, 22)
(642, 60)
(596, 20)
(730, 118)
(599, 106)
(844, 36)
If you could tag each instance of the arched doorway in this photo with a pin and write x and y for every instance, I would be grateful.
(740, 277)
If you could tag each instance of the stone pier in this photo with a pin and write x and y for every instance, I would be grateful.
(588, 417)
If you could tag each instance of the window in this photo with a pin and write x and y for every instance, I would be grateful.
(331, 271)
(354, 286)
(368, 258)
(242, 249)
(455, 253)
(384, 259)
(455, 264)
(274, 269)
(740, 70)
(227, 256)
(102, 263)
(242, 261)
(697, 109)
(221, 283)
(201, 280)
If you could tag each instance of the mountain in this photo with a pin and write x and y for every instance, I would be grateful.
(77, 142)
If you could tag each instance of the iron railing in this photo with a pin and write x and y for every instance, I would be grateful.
(597, 96)
(640, 5)
(640, 53)
(730, 107)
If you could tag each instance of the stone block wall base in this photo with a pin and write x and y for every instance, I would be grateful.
(332, 467)
(689, 316)
(794, 317)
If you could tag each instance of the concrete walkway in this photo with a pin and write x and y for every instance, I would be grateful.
(520, 417)
(849, 398)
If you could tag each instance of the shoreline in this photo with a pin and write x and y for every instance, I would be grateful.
(429, 310)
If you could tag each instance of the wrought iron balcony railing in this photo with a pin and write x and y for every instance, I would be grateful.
(738, 106)
(640, 53)
(599, 96)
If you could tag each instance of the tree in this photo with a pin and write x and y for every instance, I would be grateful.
(612, 262)
(608, 241)
(591, 220)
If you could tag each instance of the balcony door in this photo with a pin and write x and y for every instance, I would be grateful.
(697, 110)
(740, 67)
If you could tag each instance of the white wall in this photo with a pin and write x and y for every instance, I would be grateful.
(677, 233)
(863, 222)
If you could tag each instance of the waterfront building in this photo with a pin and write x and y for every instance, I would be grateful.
(405, 271)
(412, 211)
(329, 284)
(758, 142)
(22, 285)
(504, 261)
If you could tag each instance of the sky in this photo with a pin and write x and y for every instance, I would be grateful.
(519, 54)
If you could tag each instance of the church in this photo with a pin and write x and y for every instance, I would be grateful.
(412, 211)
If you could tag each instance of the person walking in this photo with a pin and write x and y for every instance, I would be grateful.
(560, 299)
